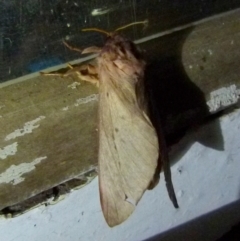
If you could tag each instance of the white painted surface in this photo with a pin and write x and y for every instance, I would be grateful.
(223, 97)
(205, 180)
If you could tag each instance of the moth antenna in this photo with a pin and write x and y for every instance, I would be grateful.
(72, 48)
(145, 23)
(96, 30)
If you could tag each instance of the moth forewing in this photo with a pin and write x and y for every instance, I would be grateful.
(128, 144)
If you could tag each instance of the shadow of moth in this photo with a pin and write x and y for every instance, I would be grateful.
(128, 143)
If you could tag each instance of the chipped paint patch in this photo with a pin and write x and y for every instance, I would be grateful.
(65, 108)
(210, 52)
(27, 128)
(93, 97)
(14, 173)
(223, 97)
(74, 85)
(9, 150)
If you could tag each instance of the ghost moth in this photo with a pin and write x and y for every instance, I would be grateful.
(128, 156)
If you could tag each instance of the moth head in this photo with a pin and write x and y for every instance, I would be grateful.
(120, 47)
(117, 46)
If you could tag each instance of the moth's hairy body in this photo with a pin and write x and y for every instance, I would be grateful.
(128, 144)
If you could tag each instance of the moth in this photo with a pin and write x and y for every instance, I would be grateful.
(128, 156)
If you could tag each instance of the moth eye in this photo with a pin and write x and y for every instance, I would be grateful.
(116, 129)
(107, 94)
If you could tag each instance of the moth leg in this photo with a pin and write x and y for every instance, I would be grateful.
(85, 72)
(52, 74)
(70, 66)
(86, 68)
(56, 73)
(92, 49)
(88, 73)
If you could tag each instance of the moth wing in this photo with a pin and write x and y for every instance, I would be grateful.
(128, 151)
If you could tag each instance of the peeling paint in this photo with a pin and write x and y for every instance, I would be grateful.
(93, 97)
(14, 173)
(74, 85)
(27, 128)
(9, 150)
(65, 108)
(210, 52)
(223, 97)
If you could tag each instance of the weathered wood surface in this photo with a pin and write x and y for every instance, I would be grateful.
(49, 128)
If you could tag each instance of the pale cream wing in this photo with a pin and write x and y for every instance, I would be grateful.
(128, 149)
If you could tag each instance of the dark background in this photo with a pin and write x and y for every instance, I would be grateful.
(31, 31)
